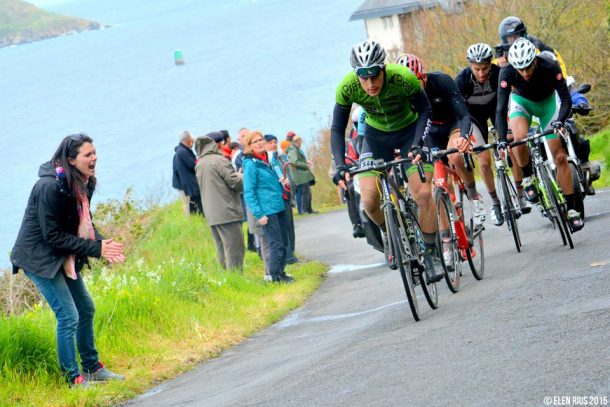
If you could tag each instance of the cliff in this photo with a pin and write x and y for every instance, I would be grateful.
(21, 22)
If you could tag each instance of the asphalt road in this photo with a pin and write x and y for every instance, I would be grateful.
(537, 326)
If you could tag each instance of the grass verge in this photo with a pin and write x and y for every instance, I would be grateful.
(600, 151)
(168, 307)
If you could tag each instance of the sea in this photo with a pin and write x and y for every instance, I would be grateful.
(271, 65)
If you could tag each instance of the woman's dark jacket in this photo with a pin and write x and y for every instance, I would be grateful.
(184, 177)
(49, 230)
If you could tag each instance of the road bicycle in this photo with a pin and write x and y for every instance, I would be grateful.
(405, 239)
(507, 193)
(551, 201)
(455, 216)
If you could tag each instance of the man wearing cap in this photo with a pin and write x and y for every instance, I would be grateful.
(221, 186)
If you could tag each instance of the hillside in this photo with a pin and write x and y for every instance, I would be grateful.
(22, 22)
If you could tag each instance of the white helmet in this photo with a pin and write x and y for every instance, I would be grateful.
(479, 53)
(367, 54)
(522, 53)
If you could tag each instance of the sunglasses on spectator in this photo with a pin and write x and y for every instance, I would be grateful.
(368, 71)
(75, 138)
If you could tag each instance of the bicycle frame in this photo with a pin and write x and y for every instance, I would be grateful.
(441, 172)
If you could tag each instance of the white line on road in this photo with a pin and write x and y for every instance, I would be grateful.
(343, 268)
(295, 318)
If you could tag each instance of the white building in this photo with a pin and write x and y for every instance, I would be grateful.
(384, 19)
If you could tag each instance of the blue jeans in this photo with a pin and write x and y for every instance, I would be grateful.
(276, 233)
(74, 310)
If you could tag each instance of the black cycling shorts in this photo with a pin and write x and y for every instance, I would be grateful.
(380, 144)
(439, 133)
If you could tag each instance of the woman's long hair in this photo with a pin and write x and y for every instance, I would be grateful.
(69, 148)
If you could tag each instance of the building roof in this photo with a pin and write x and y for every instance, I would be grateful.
(384, 8)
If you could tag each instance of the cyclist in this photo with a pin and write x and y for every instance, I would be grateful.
(478, 84)
(512, 28)
(450, 123)
(536, 82)
(397, 117)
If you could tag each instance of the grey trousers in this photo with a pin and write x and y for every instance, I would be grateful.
(229, 241)
(185, 199)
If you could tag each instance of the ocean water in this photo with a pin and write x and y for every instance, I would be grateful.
(271, 65)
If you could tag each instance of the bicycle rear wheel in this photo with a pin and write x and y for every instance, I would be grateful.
(448, 252)
(398, 239)
(476, 252)
(509, 199)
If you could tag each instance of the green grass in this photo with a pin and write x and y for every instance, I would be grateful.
(600, 151)
(166, 308)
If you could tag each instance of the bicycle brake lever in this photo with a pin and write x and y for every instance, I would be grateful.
(422, 174)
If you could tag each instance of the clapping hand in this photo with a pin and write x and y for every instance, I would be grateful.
(112, 251)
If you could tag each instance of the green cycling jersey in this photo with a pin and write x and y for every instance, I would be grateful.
(391, 109)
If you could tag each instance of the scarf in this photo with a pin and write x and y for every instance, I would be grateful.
(262, 156)
(85, 230)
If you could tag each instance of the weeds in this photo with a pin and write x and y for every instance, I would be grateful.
(167, 307)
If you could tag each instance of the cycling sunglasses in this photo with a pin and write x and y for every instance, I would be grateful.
(368, 71)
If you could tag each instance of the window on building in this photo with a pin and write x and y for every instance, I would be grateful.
(388, 22)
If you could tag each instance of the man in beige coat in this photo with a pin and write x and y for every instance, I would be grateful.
(220, 187)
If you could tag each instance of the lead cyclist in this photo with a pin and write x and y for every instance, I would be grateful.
(531, 85)
(397, 117)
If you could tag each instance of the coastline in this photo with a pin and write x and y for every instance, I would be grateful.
(22, 23)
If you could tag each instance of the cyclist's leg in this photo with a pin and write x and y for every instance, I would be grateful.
(377, 144)
(564, 172)
(520, 118)
(422, 194)
(480, 136)
(467, 176)
(548, 111)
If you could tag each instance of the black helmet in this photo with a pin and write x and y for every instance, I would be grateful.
(511, 26)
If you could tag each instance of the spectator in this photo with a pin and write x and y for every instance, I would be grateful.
(284, 146)
(235, 148)
(263, 194)
(219, 138)
(302, 176)
(237, 164)
(184, 175)
(226, 149)
(241, 139)
(261, 243)
(221, 186)
(278, 165)
(55, 239)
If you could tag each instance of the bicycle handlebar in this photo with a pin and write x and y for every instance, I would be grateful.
(380, 165)
(531, 138)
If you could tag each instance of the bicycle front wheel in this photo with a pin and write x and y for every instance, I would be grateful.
(558, 209)
(475, 252)
(510, 201)
(417, 249)
(448, 250)
(398, 239)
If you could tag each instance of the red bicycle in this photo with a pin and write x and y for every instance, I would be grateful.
(459, 238)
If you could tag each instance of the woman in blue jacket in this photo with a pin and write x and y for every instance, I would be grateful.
(263, 195)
